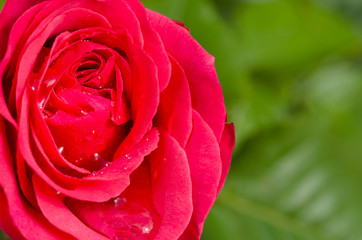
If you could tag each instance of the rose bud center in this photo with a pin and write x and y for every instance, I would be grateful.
(87, 114)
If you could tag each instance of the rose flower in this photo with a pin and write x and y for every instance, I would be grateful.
(112, 123)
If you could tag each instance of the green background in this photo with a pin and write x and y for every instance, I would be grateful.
(291, 72)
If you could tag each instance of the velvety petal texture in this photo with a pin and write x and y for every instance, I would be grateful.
(112, 123)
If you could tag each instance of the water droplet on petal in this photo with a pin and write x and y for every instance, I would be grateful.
(146, 223)
(51, 82)
(128, 219)
(96, 157)
(146, 230)
(58, 193)
(119, 201)
(33, 88)
(83, 112)
(94, 173)
(108, 164)
(60, 150)
(41, 104)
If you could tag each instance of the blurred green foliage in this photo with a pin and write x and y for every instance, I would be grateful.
(292, 78)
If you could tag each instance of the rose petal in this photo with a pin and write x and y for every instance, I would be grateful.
(227, 144)
(6, 223)
(153, 45)
(171, 186)
(23, 178)
(129, 216)
(205, 164)
(15, 38)
(175, 111)
(53, 208)
(206, 93)
(11, 11)
(144, 99)
(23, 216)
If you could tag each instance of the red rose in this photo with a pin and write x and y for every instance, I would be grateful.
(112, 123)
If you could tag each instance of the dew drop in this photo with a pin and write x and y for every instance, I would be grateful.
(146, 230)
(58, 193)
(146, 225)
(60, 150)
(51, 82)
(83, 112)
(33, 88)
(147, 139)
(131, 219)
(108, 164)
(94, 173)
(41, 104)
(119, 201)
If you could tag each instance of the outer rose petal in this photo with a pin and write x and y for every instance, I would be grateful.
(172, 187)
(153, 44)
(52, 206)
(205, 165)
(206, 94)
(175, 111)
(23, 216)
(129, 216)
(9, 14)
(227, 144)
(15, 38)
(5, 221)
